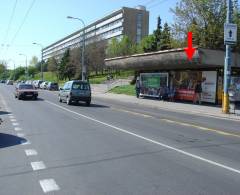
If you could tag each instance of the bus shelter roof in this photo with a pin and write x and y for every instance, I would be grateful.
(172, 60)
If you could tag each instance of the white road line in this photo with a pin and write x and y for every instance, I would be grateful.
(38, 165)
(20, 134)
(11, 116)
(31, 152)
(17, 129)
(151, 140)
(49, 185)
(15, 124)
(24, 142)
(13, 120)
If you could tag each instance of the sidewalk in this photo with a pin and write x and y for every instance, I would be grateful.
(203, 110)
(104, 88)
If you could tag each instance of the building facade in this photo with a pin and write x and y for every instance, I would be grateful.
(132, 22)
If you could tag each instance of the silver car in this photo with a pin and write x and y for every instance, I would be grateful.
(75, 91)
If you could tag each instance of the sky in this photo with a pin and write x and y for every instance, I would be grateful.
(44, 21)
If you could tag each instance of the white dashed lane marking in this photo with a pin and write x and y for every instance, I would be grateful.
(31, 152)
(38, 165)
(13, 120)
(49, 185)
(17, 129)
(25, 142)
(15, 124)
(11, 116)
(20, 134)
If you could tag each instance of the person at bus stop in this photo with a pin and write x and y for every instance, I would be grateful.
(198, 93)
(137, 87)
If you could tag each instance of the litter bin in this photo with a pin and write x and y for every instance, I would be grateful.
(232, 101)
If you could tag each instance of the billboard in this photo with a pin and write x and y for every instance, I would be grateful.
(235, 86)
(209, 86)
(153, 83)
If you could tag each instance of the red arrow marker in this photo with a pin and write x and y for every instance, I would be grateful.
(190, 50)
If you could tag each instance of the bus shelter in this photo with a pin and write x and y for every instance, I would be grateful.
(171, 69)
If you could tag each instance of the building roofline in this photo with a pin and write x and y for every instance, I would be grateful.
(92, 24)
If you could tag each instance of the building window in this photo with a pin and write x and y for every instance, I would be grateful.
(139, 27)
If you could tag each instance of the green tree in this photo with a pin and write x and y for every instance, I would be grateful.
(52, 65)
(121, 47)
(165, 38)
(158, 35)
(148, 43)
(66, 68)
(32, 70)
(2, 68)
(33, 61)
(205, 17)
(113, 48)
(20, 71)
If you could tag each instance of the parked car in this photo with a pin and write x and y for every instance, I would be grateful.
(44, 85)
(9, 82)
(52, 86)
(38, 83)
(24, 91)
(75, 91)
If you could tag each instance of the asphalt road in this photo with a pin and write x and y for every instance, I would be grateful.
(113, 148)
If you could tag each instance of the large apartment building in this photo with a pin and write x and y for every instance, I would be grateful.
(133, 22)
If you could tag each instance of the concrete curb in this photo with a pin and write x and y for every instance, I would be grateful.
(153, 104)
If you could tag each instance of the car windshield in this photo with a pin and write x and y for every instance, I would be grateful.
(80, 86)
(25, 87)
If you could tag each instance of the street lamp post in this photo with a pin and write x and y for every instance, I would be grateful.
(84, 68)
(41, 58)
(26, 68)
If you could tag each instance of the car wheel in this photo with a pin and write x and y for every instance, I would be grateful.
(59, 99)
(19, 98)
(88, 103)
(68, 101)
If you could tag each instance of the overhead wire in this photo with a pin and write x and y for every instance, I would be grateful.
(21, 25)
(23, 21)
(156, 4)
(9, 23)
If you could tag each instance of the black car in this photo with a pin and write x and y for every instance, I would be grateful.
(52, 86)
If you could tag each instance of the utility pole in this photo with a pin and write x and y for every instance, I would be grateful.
(228, 57)
(84, 68)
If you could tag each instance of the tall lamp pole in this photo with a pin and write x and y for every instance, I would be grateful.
(26, 68)
(84, 68)
(228, 61)
(41, 58)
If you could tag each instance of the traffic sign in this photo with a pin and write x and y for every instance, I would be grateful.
(230, 33)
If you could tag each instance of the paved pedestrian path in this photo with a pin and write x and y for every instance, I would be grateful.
(204, 109)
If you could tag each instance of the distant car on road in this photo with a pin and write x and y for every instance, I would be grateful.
(24, 91)
(52, 86)
(75, 91)
(44, 85)
(38, 83)
(9, 82)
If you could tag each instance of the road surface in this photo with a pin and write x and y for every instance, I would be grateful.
(47, 147)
